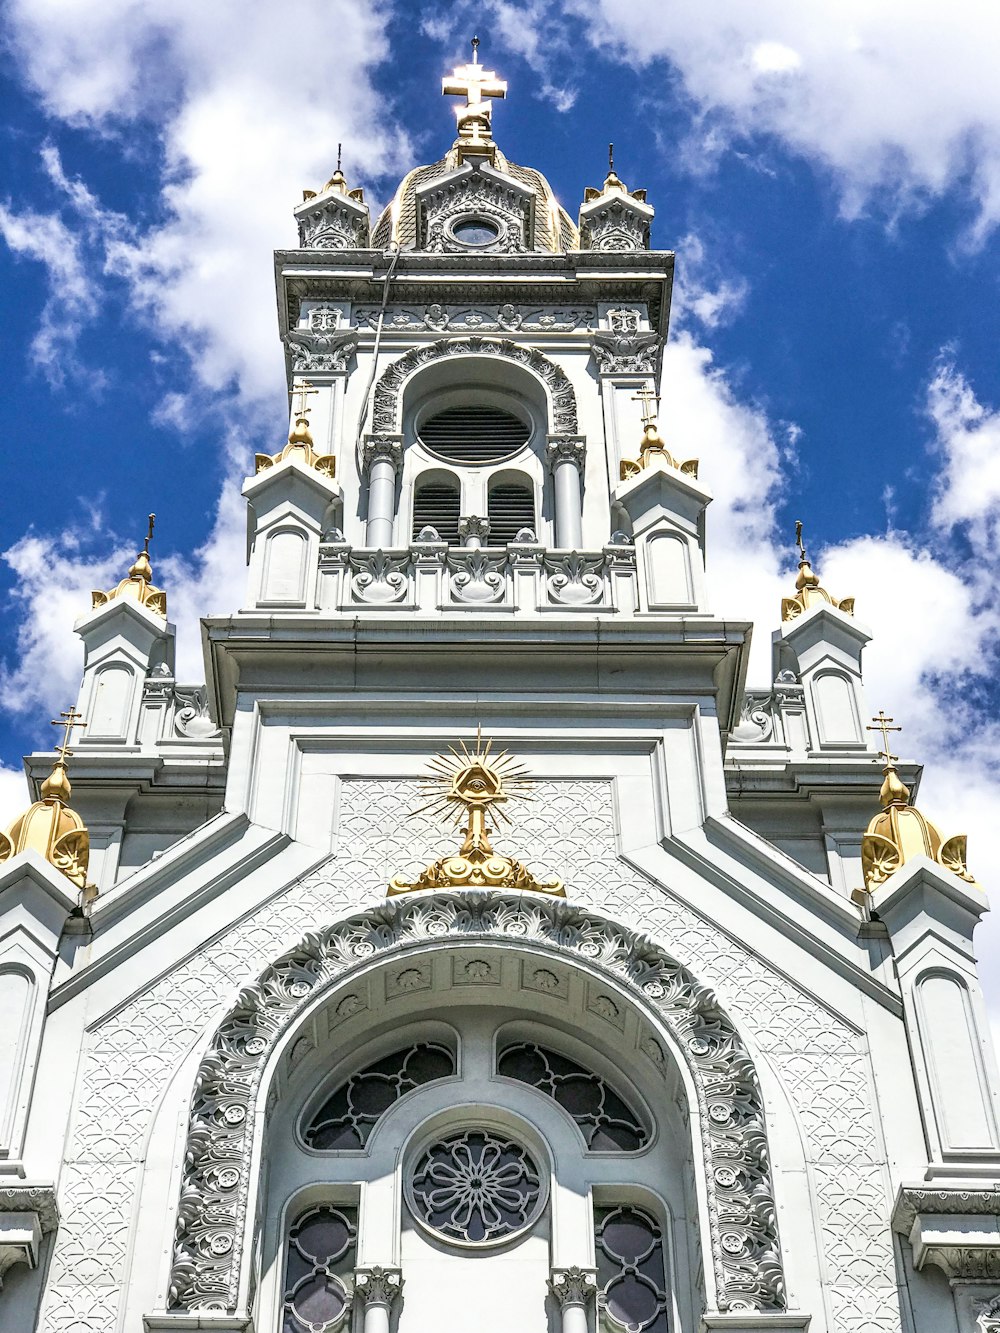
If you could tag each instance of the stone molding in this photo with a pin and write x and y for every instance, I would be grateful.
(27, 1213)
(957, 1230)
(387, 391)
(313, 351)
(214, 1191)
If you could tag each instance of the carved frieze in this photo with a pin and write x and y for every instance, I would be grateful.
(314, 350)
(624, 349)
(615, 222)
(480, 318)
(332, 222)
(214, 1190)
(387, 391)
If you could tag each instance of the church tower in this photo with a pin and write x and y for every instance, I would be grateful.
(471, 950)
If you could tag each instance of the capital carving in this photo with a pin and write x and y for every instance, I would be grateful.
(378, 1285)
(573, 1286)
(474, 526)
(382, 448)
(566, 449)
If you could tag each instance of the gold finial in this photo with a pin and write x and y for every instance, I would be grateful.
(336, 183)
(300, 440)
(612, 182)
(808, 590)
(899, 831)
(652, 443)
(467, 785)
(477, 85)
(139, 585)
(49, 826)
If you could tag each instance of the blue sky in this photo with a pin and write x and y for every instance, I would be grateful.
(828, 175)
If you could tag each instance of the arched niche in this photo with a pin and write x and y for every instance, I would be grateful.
(496, 359)
(251, 1056)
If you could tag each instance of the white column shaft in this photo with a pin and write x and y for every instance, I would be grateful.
(381, 511)
(574, 1318)
(569, 504)
(377, 1318)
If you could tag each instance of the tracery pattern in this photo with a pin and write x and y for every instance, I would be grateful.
(321, 1252)
(631, 1279)
(346, 1118)
(476, 1187)
(607, 1123)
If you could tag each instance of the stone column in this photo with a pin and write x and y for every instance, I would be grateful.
(573, 1289)
(566, 454)
(383, 456)
(376, 1288)
(473, 531)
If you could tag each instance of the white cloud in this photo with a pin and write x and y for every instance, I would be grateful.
(14, 794)
(967, 494)
(249, 103)
(899, 101)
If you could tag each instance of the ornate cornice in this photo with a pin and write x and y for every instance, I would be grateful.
(733, 1153)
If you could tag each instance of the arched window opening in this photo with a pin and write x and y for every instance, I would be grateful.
(437, 505)
(347, 1118)
(631, 1274)
(322, 1245)
(474, 433)
(511, 507)
(607, 1122)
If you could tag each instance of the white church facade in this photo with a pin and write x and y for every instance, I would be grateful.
(472, 950)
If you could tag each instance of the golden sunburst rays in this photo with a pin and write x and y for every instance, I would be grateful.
(462, 779)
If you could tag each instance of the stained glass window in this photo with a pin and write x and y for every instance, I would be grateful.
(607, 1122)
(321, 1254)
(630, 1270)
(476, 1186)
(346, 1119)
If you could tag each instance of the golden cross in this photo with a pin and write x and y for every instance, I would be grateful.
(149, 534)
(882, 724)
(802, 556)
(303, 389)
(646, 395)
(472, 81)
(67, 720)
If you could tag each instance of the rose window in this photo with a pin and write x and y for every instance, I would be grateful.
(476, 1188)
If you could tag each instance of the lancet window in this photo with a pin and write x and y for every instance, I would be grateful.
(319, 1266)
(631, 1274)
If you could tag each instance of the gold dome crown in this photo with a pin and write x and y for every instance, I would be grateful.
(138, 586)
(809, 591)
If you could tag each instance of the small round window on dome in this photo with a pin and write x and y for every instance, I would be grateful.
(475, 231)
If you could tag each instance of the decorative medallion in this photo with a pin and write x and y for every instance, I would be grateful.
(465, 785)
(476, 1188)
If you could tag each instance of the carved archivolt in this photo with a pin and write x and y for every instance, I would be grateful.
(386, 412)
(218, 1155)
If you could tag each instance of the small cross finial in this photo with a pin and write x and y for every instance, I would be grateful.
(798, 540)
(149, 534)
(303, 389)
(647, 396)
(67, 720)
(883, 724)
(611, 157)
(340, 149)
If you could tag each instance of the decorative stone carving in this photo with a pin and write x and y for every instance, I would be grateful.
(478, 195)
(377, 447)
(615, 222)
(191, 716)
(573, 1286)
(332, 222)
(27, 1213)
(320, 351)
(480, 319)
(566, 448)
(988, 1315)
(379, 577)
(626, 353)
(473, 529)
(386, 409)
(325, 318)
(211, 1211)
(575, 579)
(756, 721)
(968, 1246)
(378, 1285)
(476, 576)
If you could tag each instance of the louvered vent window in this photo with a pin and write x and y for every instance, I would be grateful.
(436, 505)
(474, 434)
(511, 508)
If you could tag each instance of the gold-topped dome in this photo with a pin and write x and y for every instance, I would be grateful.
(138, 586)
(653, 445)
(49, 826)
(549, 226)
(809, 591)
(899, 831)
